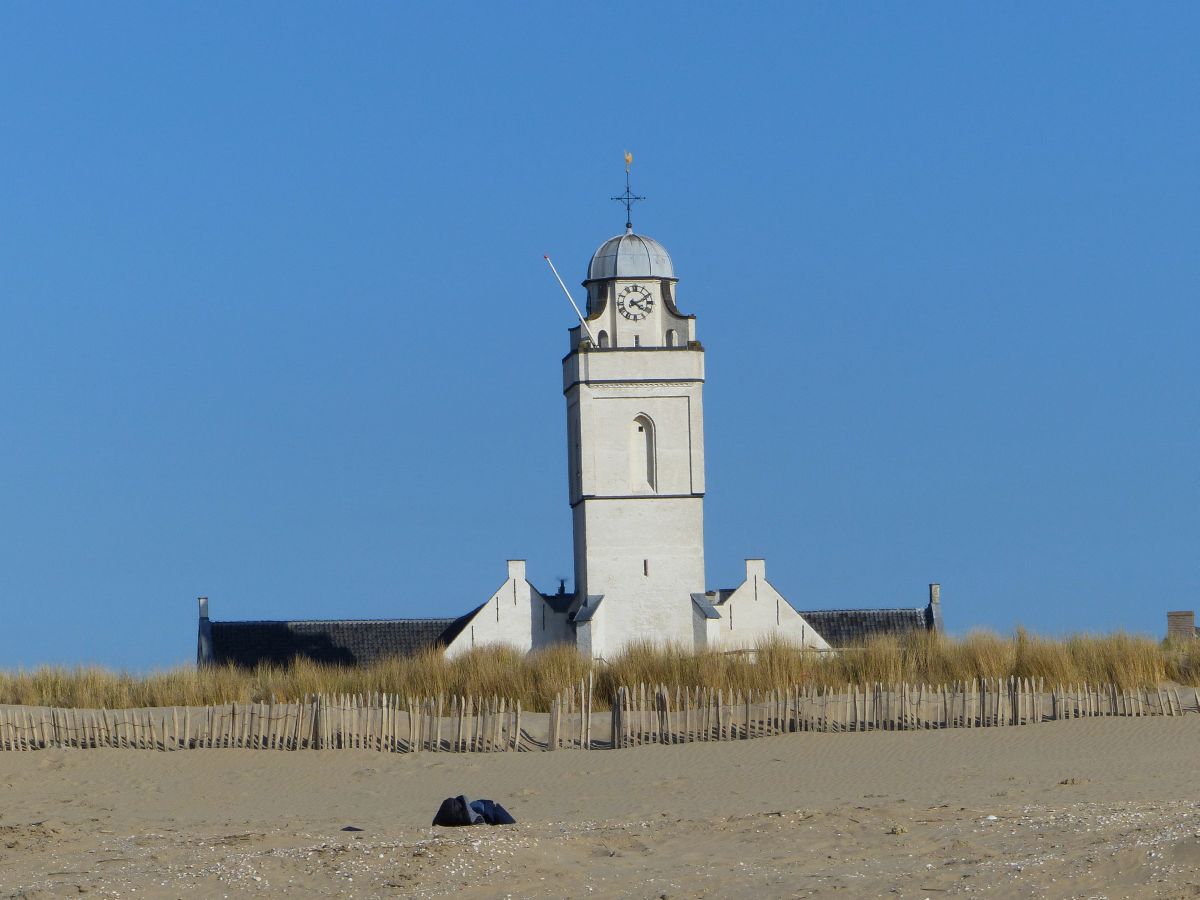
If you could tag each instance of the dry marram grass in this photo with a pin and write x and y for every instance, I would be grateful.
(1119, 658)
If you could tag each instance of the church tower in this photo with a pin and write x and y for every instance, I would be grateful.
(633, 383)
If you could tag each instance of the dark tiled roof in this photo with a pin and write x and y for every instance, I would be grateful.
(559, 603)
(345, 641)
(852, 627)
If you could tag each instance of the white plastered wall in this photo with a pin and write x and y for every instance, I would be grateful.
(712, 634)
(638, 542)
(700, 628)
(589, 635)
(646, 561)
(756, 612)
(516, 615)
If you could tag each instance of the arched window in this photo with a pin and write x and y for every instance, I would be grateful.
(602, 338)
(672, 338)
(641, 455)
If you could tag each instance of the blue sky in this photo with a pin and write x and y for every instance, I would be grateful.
(275, 325)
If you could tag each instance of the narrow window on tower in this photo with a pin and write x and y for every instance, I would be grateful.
(637, 340)
(602, 339)
(645, 567)
(641, 456)
(672, 337)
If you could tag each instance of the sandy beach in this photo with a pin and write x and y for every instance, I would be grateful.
(1084, 808)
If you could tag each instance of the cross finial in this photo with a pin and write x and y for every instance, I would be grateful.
(629, 197)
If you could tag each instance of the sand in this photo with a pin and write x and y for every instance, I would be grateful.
(1083, 808)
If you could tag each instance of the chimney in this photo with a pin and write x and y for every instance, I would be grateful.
(204, 646)
(516, 569)
(1181, 625)
(933, 613)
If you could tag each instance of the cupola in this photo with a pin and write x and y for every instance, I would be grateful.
(631, 255)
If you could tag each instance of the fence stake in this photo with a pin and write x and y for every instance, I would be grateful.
(517, 729)
(591, 697)
(247, 727)
(582, 712)
(614, 720)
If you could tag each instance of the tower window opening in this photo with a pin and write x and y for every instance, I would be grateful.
(642, 461)
(645, 567)
(602, 339)
(672, 337)
(637, 340)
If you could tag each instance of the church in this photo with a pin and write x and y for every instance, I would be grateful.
(633, 381)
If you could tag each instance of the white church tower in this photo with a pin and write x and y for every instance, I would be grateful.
(634, 384)
(635, 431)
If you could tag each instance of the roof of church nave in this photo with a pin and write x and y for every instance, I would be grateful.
(631, 255)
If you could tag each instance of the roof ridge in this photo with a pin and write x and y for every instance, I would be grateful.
(328, 621)
(867, 609)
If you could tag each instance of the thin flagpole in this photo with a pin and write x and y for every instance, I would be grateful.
(582, 320)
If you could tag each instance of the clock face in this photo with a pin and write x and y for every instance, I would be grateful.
(635, 302)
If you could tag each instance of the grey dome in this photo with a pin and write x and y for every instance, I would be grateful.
(631, 255)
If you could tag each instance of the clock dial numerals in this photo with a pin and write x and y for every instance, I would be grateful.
(635, 302)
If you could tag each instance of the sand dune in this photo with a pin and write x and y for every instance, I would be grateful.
(1082, 808)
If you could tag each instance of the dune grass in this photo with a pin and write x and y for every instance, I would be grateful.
(1119, 658)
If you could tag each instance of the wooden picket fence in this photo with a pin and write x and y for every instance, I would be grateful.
(661, 715)
(639, 715)
(343, 722)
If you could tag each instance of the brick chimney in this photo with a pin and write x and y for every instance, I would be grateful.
(1181, 624)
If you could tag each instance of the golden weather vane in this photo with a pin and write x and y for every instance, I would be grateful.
(629, 197)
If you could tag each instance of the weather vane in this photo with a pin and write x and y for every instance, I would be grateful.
(629, 197)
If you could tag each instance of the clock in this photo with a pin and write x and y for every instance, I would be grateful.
(635, 302)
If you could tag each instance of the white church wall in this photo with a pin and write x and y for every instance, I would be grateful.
(631, 366)
(712, 634)
(669, 412)
(756, 612)
(516, 615)
(667, 388)
(646, 558)
(636, 456)
(589, 634)
(699, 629)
